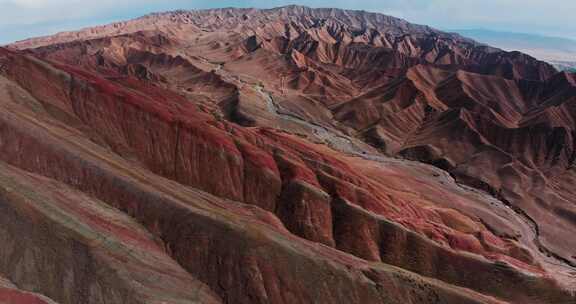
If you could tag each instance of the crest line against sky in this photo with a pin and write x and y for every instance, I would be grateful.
(20, 19)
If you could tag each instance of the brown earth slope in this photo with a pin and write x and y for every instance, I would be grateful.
(290, 155)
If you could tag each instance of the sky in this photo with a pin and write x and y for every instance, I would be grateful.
(20, 19)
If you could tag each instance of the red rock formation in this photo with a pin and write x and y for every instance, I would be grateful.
(9, 294)
(245, 156)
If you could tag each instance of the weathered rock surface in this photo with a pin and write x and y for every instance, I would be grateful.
(246, 156)
(10, 294)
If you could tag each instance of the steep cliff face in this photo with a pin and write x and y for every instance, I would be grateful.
(248, 156)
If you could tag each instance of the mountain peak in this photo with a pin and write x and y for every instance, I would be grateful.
(208, 18)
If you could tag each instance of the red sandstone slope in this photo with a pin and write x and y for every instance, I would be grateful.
(244, 156)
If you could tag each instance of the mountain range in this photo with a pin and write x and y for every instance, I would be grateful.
(286, 155)
(560, 52)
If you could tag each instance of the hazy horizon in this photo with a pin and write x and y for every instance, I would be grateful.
(21, 19)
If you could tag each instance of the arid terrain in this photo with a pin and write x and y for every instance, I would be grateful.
(560, 52)
(287, 155)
